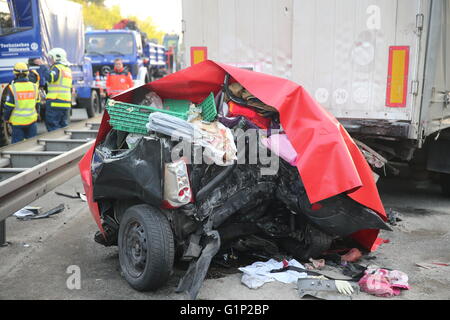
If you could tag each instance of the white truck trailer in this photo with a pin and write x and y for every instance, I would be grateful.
(380, 66)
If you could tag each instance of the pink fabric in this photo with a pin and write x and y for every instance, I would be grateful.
(384, 283)
(282, 147)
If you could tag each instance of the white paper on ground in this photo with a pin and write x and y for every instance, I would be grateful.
(258, 273)
(22, 213)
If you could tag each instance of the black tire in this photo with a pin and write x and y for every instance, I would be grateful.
(445, 184)
(4, 136)
(93, 105)
(102, 104)
(315, 242)
(146, 248)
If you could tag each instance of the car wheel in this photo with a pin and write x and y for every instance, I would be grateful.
(146, 247)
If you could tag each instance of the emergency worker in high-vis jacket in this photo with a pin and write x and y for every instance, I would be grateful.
(119, 80)
(59, 86)
(22, 99)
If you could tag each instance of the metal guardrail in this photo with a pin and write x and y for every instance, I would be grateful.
(31, 169)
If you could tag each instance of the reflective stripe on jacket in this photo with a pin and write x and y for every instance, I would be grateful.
(26, 95)
(61, 88)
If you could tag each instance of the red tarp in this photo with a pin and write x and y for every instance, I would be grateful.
(329, 161)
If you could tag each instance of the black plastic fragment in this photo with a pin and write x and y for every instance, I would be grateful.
(130, 174)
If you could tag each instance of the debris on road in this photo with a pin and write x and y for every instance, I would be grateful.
(83, 197)
(327, 289)
(67, 195)
(432, 265)
(78, 195)
(315, 264)
(27, 212)
(384, 283)
(259, 273)
(23, 213)
(45, 215)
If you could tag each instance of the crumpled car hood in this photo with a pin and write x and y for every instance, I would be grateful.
(329, 161)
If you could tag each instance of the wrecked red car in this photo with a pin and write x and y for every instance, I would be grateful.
(306, 185)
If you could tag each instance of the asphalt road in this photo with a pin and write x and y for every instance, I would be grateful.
(35, 264)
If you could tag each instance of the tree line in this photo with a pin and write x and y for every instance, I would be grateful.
(98, 16)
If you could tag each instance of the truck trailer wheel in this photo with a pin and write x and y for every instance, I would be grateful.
(4, 133)
(146, 247)
(445, 184)
(92, 105)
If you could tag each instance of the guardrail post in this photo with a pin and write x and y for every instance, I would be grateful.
(2, 233)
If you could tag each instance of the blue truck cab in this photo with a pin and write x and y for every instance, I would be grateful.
(30, 29)
(104, 46)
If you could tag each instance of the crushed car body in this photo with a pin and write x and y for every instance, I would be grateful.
(217, 193)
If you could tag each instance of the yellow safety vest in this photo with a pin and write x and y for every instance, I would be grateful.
(26, 95)
(61, 88)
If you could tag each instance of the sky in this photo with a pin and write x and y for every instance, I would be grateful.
(165, 13)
